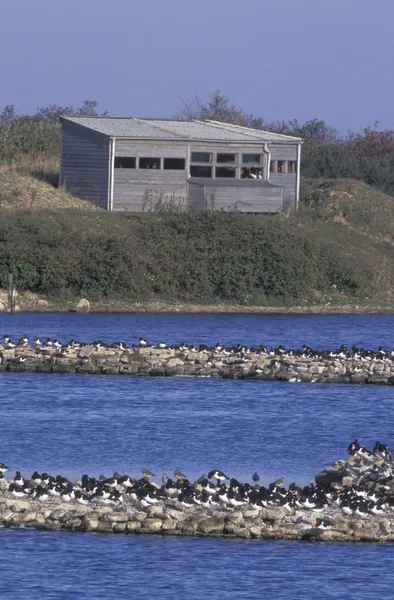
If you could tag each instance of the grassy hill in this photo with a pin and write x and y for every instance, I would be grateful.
(25, 192)
(338, 248)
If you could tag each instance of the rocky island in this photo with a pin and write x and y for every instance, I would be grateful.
(352, 500)
(239, 362)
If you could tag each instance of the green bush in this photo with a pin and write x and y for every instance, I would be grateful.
(206, 257)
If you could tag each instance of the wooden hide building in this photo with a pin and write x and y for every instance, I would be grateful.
(137, 165)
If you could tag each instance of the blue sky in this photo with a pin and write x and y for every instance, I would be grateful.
(279, 59)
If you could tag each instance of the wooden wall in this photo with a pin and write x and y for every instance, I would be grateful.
(248, 197)
(287, 180)
(84, 163)
(147, 190)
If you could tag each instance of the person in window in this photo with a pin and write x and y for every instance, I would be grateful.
(154, 164)
(252, 174)
(245, 173)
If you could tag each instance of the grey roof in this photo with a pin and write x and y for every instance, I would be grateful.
(135, 128)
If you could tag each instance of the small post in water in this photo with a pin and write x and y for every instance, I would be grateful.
(10, 293)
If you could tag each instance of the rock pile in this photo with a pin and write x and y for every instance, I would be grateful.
(353, 500)
(260, 364)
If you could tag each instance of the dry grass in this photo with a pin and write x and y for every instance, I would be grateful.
(22, 191)
(356, 220)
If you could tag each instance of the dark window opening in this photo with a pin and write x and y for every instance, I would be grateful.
(252, 173)
(292, 166)
(149, 163)
(251, 158)
(174, 164)
(124, 162)
(225, 172)
(200, 171)
(201, 157)
(224, 157)
(282, 166)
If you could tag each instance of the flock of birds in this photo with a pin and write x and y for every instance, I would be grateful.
(342, 353)
(371, 496)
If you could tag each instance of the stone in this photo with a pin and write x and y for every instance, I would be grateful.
(120, 527)
(86, 352)
(189, 525)
(83, 306)
(155, 511)
(211, 525)
(169, 525)
(175, 362)
(133, 526)
(115, 517)
(152, 524)
(3, 307)
(90, 524)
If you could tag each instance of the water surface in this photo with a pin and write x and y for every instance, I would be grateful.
(72, 424)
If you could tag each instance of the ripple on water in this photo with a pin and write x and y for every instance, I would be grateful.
(75, 424)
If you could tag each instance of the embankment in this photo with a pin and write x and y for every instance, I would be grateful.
(153, 361)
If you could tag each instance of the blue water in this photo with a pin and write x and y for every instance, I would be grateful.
(75, 424)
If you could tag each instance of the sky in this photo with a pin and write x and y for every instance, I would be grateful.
(276, 59)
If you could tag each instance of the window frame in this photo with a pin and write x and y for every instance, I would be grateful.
(226, 162)
(253, 163)
(202, 162)
(202, 166)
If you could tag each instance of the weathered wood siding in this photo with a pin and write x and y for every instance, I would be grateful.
(287, 180)
(283, 151)
(235, 198)
(143, 190)
(196, 197)
(257, 200)
(84, 163)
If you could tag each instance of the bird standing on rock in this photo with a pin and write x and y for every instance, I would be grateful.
(148, 474)
(179, 475)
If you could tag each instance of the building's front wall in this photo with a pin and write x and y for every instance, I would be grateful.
(84, 170)
(149, 190)
(158, 189)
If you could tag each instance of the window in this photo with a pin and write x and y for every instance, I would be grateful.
(251, 158)
(149, 163)
(124, 162)
(225, 172)
(174, 164)
(292, 166)
(251, 173)
(224, 157)
(201, 157)
(279, 166)
(196, 171)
